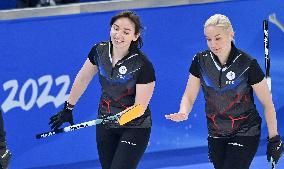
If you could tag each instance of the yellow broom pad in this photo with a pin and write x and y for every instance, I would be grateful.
(130, 114)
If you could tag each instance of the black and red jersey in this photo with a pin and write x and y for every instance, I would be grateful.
(118, 83)
(229, 102)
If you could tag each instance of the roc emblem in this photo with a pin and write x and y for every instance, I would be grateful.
(122, 70)
(231, 76)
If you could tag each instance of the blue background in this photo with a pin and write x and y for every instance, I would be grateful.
(58, 46)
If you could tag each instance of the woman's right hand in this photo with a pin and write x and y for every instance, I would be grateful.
(65, 115)
(177, 117)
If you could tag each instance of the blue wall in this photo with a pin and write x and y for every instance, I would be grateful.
(40, 58)
(8, 4)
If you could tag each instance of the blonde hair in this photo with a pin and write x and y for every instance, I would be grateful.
(219, 20)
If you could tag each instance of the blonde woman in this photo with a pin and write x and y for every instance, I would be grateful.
(228, 77)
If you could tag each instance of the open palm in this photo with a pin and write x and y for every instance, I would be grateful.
(177, 117)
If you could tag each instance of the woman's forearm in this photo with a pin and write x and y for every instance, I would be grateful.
(270, 116)
(81, 81)
(185, 105)
(78, 88)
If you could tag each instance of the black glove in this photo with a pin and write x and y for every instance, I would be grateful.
(5, 155)
(274, 148)
(61, 117)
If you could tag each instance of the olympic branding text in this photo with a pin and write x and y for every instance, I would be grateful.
(18, 95)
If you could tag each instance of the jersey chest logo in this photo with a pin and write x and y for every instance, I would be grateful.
(122, 70)
(230, 76)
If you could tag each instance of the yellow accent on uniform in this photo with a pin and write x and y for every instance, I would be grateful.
(130, 114)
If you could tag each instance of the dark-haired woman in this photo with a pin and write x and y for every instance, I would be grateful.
(127, 78)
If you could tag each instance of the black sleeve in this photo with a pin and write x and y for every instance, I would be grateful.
(93, 55)
(256, 75)
(147, 73)
(194, 67)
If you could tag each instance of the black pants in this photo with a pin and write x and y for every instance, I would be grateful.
(232, 153)
(121, 148)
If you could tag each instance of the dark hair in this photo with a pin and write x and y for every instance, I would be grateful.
(138, 27)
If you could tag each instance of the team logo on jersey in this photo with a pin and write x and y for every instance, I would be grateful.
(122, 70)
(231, 76)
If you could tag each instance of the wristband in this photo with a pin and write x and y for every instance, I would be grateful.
(69, 106)
(274, 139)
